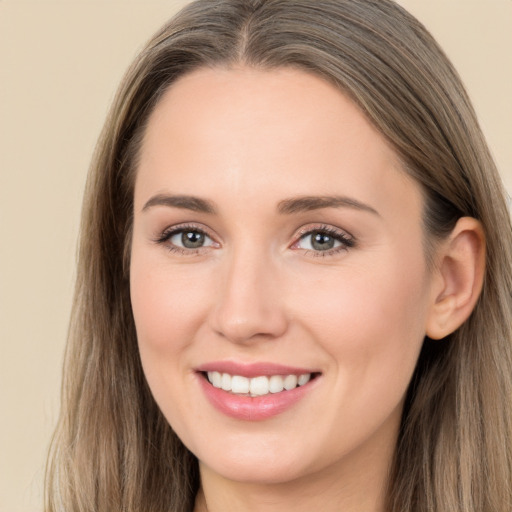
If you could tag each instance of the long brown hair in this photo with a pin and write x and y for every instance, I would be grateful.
(112, 449)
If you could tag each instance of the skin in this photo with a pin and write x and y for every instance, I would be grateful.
(246, 140)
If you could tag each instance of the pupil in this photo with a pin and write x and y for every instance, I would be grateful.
(192, 239)
(322, 242)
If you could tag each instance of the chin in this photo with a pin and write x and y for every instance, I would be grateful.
(259, 460)
(265, 471)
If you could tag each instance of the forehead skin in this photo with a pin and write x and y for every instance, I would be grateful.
(239, 132)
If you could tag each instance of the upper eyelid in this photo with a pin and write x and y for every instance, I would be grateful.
(187, 226)
(310, 228)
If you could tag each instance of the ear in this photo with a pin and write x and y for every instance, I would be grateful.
(458, 278)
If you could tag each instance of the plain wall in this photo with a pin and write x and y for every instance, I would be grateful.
(60, 63)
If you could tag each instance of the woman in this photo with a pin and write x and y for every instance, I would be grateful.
(294, 286)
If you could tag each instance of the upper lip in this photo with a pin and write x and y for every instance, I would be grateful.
(252, 369)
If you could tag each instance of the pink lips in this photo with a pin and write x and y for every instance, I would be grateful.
(249, 408)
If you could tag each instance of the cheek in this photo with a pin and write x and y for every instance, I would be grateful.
(371, 322)
(351, 303)
(169, 307)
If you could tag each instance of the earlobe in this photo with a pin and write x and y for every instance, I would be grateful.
(459, 278)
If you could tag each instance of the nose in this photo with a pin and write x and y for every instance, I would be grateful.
(250, 302)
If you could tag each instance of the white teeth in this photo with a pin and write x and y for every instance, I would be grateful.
(275, 384)
(304, 379)
(226, 382)
(239, 385)
(257, 386)
(290, 382)
(215, 378)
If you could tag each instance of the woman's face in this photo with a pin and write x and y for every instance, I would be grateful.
(276, 242)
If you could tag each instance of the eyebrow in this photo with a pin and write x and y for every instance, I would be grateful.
(192, 203)
(309, 203)
(285, 207)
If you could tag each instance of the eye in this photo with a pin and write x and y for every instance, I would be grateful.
(190, 239)
(186, 239)
(326, 240)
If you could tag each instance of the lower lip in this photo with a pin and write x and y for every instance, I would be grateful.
(255, 408)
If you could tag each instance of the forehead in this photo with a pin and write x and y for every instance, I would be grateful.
(247, 132)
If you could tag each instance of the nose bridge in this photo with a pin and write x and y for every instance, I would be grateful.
(249, 302)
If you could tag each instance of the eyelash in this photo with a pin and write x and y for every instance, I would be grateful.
(165, 237)
(346, 241)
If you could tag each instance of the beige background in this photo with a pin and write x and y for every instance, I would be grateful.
(60, 62)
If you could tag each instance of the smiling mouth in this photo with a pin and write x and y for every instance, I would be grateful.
(257, 386)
